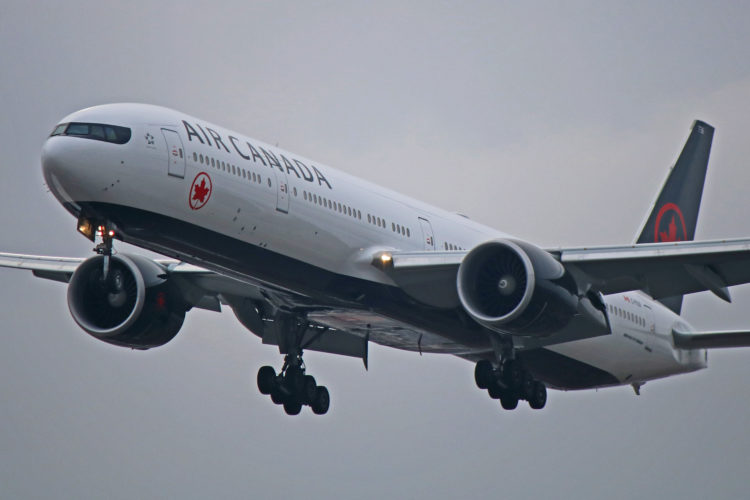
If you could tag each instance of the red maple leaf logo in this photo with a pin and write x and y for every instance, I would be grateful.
(672, 235)
(201, 191)
(676, 230)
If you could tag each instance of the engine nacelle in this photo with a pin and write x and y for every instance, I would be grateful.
(514, 287)
(135, 307)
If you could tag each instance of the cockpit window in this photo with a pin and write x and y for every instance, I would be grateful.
(97, 131)
(59, 129)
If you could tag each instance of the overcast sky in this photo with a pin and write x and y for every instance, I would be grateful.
(555, 123)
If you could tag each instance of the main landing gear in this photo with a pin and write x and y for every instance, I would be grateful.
(292, 387)
(509, 383)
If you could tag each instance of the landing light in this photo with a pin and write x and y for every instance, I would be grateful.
(86, 228)
(383, 261)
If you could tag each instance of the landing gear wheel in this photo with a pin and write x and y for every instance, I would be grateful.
(277, 397)
(309, 389)
(321, 402)
(509, 401)
(295, 378)
(292, 387)
(292, 407)
(266, 379)
(512, 373)
(483, 374)
(527, 387)
(494, 391)
(539, 396)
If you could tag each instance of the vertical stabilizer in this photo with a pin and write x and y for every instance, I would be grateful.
(674, 214)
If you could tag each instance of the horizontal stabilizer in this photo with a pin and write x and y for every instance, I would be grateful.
(712, 340)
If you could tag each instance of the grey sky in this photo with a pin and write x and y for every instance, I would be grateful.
(555, 123)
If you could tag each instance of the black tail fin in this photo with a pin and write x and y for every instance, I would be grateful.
(674, 214)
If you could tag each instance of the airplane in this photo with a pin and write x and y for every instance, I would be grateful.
(311, 258)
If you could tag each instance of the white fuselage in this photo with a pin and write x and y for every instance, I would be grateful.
(263, 196)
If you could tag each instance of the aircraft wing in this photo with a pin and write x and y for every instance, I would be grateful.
(206, 289)
(660, 269)
(62, 268)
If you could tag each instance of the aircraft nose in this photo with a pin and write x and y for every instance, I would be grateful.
(51, 157)
(57, 159)
(61, 168)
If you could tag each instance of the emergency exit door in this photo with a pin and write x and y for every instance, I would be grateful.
(428, 237)
(175, 153)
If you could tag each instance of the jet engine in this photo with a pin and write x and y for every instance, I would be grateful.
(135, 306)
(514, 287)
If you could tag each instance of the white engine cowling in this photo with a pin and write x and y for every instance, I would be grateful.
(514, 287)
(135, 307)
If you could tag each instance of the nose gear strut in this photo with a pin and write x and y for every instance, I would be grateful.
(105, 248)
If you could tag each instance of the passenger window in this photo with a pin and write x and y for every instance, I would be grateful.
(195, 156)
(294, 190)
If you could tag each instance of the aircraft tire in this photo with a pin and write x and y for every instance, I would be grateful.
(483, 374)
(509, 401)
(494, 391)
(277, 397)
(292, 406)
(527, 387)
(512, 374)
(309, 389)
(539, 396)
(322, 401)
(266, 379)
